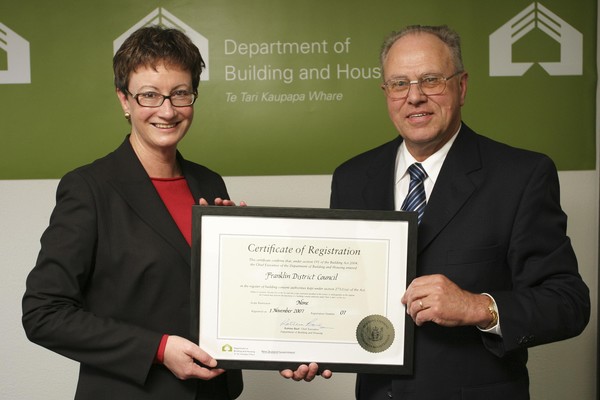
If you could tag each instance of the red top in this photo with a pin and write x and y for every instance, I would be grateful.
(178, 198)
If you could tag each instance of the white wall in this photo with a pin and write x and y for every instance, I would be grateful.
(28, 372)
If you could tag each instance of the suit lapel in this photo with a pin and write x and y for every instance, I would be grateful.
(378, 193)
(458, 179)
(199, 183)
(136, 189)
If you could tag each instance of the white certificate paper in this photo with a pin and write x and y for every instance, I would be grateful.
(278, 287)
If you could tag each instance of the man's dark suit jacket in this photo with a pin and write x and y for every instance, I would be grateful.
(493, 224)
(113, 276)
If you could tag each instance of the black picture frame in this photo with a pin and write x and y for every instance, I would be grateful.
(254, 217)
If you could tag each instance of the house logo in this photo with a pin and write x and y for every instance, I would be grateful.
(227, 348)
(162, 17)
(17, 57)
(532, 17)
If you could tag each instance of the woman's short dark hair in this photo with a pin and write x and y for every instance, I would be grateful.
(154, 45)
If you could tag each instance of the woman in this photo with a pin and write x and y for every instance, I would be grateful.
(110, 288)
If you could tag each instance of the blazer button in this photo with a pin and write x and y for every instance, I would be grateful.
(525, 339)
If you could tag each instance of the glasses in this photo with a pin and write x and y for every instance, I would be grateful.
(178, 98)
(429, 85)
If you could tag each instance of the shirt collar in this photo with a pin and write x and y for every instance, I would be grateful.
(432, 164)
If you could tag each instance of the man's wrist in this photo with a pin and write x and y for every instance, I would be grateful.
(492, 310)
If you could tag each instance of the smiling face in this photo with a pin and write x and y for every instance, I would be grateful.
(425, 122)
(157, 130)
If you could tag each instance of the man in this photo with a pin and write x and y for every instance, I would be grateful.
(496, 271)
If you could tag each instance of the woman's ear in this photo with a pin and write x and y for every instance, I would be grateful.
(123, 100)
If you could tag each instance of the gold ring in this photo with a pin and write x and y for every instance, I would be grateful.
(421, 304)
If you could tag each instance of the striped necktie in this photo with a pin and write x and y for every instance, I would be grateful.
(416, 200)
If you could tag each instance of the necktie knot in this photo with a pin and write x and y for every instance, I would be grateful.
(416, 199)
(417, 172)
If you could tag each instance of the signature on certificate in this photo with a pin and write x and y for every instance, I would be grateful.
(313, 323)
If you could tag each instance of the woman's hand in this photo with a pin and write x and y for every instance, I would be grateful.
(180, 358)
(220, 202)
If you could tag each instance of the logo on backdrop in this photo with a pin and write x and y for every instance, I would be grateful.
(17, 57)
(162, 17)
(536, 16)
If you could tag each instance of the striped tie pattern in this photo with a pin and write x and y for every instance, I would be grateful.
(416, 200)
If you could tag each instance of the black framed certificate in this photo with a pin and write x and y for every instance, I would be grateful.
(273, 288)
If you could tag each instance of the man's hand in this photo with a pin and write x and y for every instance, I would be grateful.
(437, 299)
(180, 356)
(305, 372)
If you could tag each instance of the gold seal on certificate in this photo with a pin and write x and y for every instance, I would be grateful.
(375, 333)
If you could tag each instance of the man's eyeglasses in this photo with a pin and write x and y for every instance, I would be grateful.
(429, 85)
(178, 98)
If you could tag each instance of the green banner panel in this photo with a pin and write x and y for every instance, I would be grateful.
(292, 88)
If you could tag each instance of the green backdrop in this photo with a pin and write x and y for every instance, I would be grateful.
(323, 55)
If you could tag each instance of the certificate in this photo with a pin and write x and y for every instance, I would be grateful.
(273, 288)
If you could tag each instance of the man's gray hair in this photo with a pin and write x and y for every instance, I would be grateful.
(443, 32)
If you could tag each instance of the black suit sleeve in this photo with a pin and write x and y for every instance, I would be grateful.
(55, 313)
(549, 301)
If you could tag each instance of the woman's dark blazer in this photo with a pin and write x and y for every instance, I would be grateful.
(113, 276)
